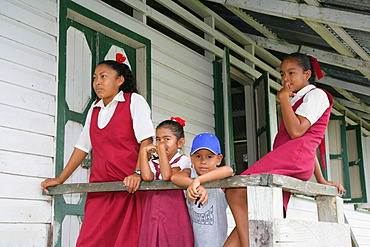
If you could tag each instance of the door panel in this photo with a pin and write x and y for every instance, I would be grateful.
(85, 48)
(262, 105)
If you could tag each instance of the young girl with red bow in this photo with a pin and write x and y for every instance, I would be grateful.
(166, 221)
(117, 124)
(305, 116)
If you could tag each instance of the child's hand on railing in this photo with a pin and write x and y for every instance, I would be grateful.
(192, 190)
(132, 183)
(49, 182)
(341, 189)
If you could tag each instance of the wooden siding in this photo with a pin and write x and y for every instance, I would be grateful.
(28, 65)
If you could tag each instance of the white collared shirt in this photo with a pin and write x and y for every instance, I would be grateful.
(184, 162)
(140, 113)
(314, 104)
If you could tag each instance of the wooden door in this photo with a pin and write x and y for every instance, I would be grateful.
(84, 49)
(262, 105)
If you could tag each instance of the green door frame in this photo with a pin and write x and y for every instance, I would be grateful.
(344, 155)
(223, 107)
(61, 209)
(359, 163)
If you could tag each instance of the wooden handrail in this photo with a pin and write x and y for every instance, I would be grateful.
(270, 180)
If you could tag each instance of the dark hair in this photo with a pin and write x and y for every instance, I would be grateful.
(305, 63)
(174, 126)
(129, 86)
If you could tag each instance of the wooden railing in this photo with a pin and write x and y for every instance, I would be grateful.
(270, 180)
(267, 225)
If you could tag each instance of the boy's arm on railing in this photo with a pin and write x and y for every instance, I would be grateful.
(182, 178)
(216, 174)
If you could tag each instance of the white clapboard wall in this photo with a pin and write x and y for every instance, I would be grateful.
(28, 65)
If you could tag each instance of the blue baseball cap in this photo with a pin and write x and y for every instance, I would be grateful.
(206, 141)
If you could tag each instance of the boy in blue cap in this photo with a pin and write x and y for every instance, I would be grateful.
(207, 208)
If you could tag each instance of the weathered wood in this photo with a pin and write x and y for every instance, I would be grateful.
(303, 187)
(15, 234)
(271, 180)
(265, 203)
(24, 211)
(232, 182)
(261, 233)
(303, 233)
(330, 209)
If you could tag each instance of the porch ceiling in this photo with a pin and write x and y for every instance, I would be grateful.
(336, 32)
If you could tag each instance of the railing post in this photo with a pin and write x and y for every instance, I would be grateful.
(265, 205)
(330, 209)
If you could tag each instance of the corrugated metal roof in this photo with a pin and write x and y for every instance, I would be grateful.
(296, 31)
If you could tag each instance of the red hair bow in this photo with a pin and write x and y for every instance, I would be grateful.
(179, 120)
(120, 58)
(316, 67)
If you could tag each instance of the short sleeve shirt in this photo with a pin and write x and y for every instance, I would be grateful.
(314, 104)
(183, 163)
(140, 114)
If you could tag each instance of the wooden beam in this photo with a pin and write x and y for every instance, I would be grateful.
(344, 36)
(323, 56)
(352, 115)
(349, 96)
(357, 106)
(227, 28)
(237, 181)
(330, 38)
(345, 85)
(350, 42)
(286, 9)
(330, 209)
(298, 186)
(189, 17)
(253, 23)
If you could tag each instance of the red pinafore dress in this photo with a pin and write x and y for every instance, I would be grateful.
(166, 220)
(112, 219)
(293, 157)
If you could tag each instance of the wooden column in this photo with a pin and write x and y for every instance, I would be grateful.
(330, 209)
(265, 205)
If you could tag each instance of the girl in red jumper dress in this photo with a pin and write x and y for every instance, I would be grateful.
(115, 128)
(305, 116)
(166, 221)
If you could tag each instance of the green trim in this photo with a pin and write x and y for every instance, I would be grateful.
(359, 163)
(105, 43)
(149, 73)
(218, 104)
(265, 128)
(127, 32)
(323, 171)
(361, 210)
(266, 84)
(229, 108)
(61, 119)
(336, 156)
(64, 114)
(344, 155)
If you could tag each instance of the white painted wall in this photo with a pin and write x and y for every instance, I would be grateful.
(28, 65)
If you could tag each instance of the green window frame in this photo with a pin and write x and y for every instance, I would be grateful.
(349, 166)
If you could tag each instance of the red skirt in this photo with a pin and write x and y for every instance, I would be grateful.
(166, 221)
